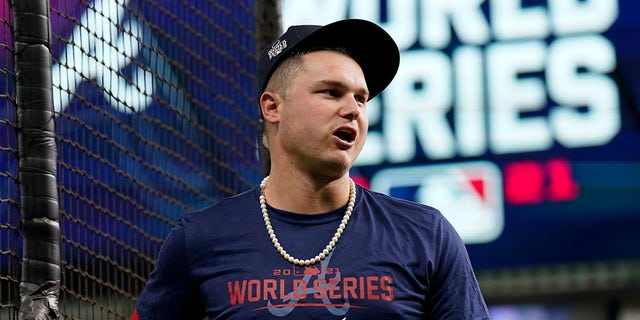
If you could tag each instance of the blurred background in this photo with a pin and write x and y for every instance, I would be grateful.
(518, 119)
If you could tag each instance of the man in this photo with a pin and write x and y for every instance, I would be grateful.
(308, 243)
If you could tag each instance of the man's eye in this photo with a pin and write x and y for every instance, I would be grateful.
(330, 92)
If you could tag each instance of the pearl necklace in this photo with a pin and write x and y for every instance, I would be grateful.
(327, 249)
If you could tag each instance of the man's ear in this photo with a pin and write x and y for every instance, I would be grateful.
(269, 103)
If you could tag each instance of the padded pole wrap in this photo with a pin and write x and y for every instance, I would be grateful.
(40, 279)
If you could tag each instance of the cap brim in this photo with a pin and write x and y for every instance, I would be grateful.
(367, 43)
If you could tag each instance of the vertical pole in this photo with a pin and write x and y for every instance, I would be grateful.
(268, 28)
(40, 279)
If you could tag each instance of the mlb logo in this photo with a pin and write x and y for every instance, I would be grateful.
(468, 194)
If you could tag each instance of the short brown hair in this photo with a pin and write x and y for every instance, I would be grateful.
(281, 77)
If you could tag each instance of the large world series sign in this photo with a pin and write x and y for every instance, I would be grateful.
(519, 120)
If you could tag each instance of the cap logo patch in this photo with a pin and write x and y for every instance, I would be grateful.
(277, 48)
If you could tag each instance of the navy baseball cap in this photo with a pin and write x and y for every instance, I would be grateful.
(366, 42)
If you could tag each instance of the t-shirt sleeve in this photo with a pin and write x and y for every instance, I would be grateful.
(170, 292)
(454, 292)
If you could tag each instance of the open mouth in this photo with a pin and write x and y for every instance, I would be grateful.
(345, 134)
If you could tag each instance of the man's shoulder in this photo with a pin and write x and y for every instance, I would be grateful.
(387, 201)
(232, 205)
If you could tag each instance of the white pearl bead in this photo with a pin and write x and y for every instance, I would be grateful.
(327, 249)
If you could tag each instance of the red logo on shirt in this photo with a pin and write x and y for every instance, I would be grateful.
(310, 287)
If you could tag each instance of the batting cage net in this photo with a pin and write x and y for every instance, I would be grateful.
(10, 240)
(155, 115)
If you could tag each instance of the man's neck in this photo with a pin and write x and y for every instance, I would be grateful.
(304, 195)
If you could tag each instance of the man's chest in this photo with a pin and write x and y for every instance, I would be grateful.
(332, 289)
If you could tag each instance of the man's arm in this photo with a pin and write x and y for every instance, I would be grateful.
(170, 292)
(454, 292)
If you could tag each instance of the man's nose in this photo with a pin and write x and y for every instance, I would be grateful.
(352, 108)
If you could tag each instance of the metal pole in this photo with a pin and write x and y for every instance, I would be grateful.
(40, 279)
(268, 28)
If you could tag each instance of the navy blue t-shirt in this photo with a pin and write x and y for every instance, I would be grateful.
(396, 260)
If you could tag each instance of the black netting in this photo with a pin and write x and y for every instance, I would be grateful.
(155, 116)
(10, 238)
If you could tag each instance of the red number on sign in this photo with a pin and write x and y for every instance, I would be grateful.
(529, 182)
